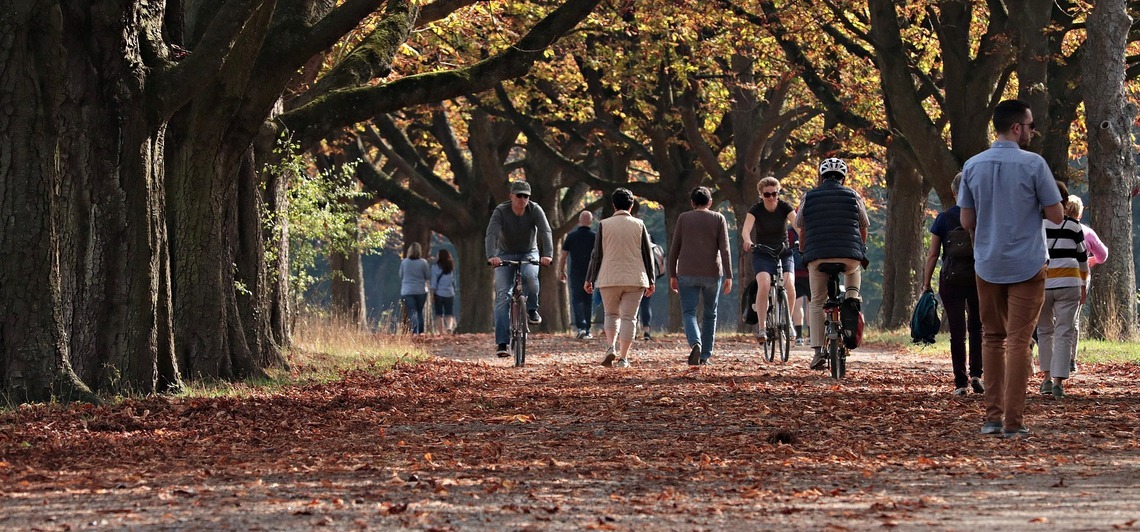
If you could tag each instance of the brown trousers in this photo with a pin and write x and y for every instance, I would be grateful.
(1009, 314)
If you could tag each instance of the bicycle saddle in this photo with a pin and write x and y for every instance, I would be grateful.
(832, 268)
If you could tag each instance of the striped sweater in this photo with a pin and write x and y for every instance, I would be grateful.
(1068, 258)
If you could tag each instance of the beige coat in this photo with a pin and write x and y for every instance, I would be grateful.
(621, 254)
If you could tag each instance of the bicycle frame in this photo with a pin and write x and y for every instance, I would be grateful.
(778, 318)
(519, 326)
(833, 345)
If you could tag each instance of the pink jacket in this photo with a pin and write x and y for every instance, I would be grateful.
(1098, 253)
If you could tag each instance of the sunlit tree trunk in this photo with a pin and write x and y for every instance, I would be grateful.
(1112, 170)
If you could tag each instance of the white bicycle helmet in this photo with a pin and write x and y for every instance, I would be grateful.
(833, 165)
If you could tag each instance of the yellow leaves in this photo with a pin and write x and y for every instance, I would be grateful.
(517, 418)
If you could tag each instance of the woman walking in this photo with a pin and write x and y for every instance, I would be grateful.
(1068, 271)
(443, 292)
(621, 268)
(414, 272)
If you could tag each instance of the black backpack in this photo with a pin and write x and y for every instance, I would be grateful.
(958, 260)
(925, 323)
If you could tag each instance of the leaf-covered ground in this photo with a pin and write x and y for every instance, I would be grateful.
(465, 442)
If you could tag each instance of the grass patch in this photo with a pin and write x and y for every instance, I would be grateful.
(1088, 351)
(323, 350)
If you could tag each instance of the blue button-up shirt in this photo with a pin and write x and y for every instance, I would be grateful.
(1007, 187)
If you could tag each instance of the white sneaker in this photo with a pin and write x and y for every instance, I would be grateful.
(960, 391)
(623, 363)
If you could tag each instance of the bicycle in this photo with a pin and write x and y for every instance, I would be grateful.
(833, 332)
(519, 325)
(778, 319)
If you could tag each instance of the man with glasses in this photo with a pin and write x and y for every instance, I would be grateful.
(1003, 194)
(517, 230)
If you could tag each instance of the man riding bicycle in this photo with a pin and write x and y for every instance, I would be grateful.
(766, 224)
(832, 222)
(515, 232)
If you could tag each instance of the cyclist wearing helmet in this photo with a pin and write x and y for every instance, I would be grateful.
(832, 222)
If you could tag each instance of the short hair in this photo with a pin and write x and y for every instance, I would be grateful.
(956, 183)
(414, 251)
(767, 182)
(1074, 207)
(701, 196)
(1064, 190)
(622, 199)
(1007, 113)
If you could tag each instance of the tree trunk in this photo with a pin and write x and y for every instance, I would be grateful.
(903, 262)
(475, 285)
(203, 199)
(84, 178)
(673, 210)
(348, 287)
(1109, 118)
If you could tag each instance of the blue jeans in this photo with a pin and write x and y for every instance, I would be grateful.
(414, 306)
(645, 312)
(691, 288)
(504, 286)
(581, 304)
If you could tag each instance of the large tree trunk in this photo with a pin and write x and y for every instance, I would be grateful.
(85, 182)
(1109, 118)
(902, 265)
(476, 286)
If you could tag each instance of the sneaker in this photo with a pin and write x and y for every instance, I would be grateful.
(1046, 387)
(1017, 433)
(646, 336)
(1072, 366)
(533, 317)
(695, 355)
(501, 351)
(799, 342)
(581, 334)
(1058, 391)
(588, 336)
(762, 336)
(706, 362)
(976, 384)
(609, 360)
(819, 361)
(960, 391)
(992, 427)
(623, 363)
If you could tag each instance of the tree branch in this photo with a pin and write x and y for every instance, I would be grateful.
(348, 106)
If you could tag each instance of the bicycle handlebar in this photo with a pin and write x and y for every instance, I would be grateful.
(515, 263)
(775, 252)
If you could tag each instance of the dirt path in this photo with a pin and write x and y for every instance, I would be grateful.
(465, 442)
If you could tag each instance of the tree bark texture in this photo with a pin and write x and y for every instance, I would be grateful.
(95, 150)
(904, 253)
(1112, 170)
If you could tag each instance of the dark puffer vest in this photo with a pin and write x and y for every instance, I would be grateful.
(831, 220)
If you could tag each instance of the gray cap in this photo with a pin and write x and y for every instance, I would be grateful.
(520, 187)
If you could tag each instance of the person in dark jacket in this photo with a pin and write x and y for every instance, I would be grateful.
(833, 224)
(518, 230)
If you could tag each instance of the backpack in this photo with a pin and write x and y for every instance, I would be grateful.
(747, 313)
(925, 323)
(658, 259)
(851, 317)
(958, 261)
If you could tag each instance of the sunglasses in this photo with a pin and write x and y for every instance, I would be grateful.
(770, 194)
(1030, 125)
(522, 196)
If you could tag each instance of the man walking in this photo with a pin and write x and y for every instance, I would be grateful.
(576, 251)
(1004, 191)
(515, 232)
(698, 264)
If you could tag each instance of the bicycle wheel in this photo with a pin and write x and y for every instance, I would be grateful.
(784, 330)
(842, 360)
(769, 341)
(833, 351)
(519, 333)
